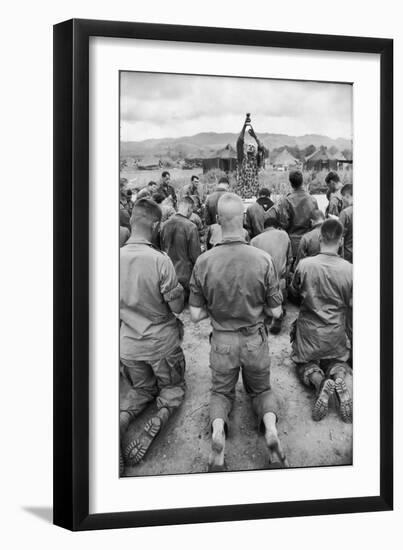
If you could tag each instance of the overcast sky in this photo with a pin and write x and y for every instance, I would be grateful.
(164, 105)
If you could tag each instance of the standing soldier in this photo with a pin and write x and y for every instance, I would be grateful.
(150, 334)
(346, 219)
(277, 244)
(334, 196)
(255, 214)
(294, 211)
(165, 187)
(180, 240)
(236, 285)
(319, 341)
(212, 200)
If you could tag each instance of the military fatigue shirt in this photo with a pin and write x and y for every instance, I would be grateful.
(235, 282)
(180, 240)
(310, 244)
(211, 207)
(167, 190)
(325, 284)
(214, 235)
(149, 330)
(346, 218)
(124, 234)
(335, 205)
(277, 243)
(294, 212)
(255, 216)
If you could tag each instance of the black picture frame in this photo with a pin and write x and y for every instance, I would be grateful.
(71, 273)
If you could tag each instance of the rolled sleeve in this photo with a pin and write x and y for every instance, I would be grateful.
(196, 298)
(170, 288)
(274, 296)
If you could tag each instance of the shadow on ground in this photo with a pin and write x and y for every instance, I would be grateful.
(44, 513)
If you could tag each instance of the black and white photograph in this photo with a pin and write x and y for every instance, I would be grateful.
(236, 273)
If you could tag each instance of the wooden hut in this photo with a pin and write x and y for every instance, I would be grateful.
(321, 159)
(224, 159)
(284, 160)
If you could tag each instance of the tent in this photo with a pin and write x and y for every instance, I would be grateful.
(223, 159)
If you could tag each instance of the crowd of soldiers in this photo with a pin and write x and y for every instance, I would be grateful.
(238, 269)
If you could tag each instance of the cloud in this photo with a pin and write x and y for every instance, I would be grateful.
(164, 105)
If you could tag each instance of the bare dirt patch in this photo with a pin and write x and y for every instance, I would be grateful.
(184, 445)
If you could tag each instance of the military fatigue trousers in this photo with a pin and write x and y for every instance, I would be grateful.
(245, 349)
(163, 379)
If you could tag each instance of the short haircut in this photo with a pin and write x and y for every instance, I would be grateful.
(152, 183)
(224, 179)
(331, 231)
(143, 193)
(348, 188)
(145, 212)
(332, 176)
(158, 197)
(317, 215)
(264, 192)
(194, 177)
(165, 173)
(296, 179)
(270, 222)
(187, 200)
(230, 206)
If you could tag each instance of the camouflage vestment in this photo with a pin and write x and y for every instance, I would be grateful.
(247, 181)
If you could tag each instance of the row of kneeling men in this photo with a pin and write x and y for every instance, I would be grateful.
(242, 290)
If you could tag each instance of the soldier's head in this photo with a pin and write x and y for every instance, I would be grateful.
(166, 177)
(185, 206)
(296, 179)
(317, 217)
(230, 213)
(331, 235)
(347, 193)
(145, 217)
(270, 222)
(158, 197)
(223, 184)
(333, 182)
(264, 192)
(152, 186)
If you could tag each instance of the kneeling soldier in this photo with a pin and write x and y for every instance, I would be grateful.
(150, 333)
(319, 341)
(236, 285)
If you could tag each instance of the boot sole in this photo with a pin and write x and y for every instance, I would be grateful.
(345, 401)
(136, 449)
(321, 407)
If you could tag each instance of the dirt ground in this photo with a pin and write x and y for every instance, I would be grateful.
(183, 446)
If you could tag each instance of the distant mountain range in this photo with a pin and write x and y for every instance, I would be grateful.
(204, 143)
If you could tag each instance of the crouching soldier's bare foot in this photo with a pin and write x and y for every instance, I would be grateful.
(321, 406)
(137, 448)
(273, 442)
(345, 401)
(216, 458)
